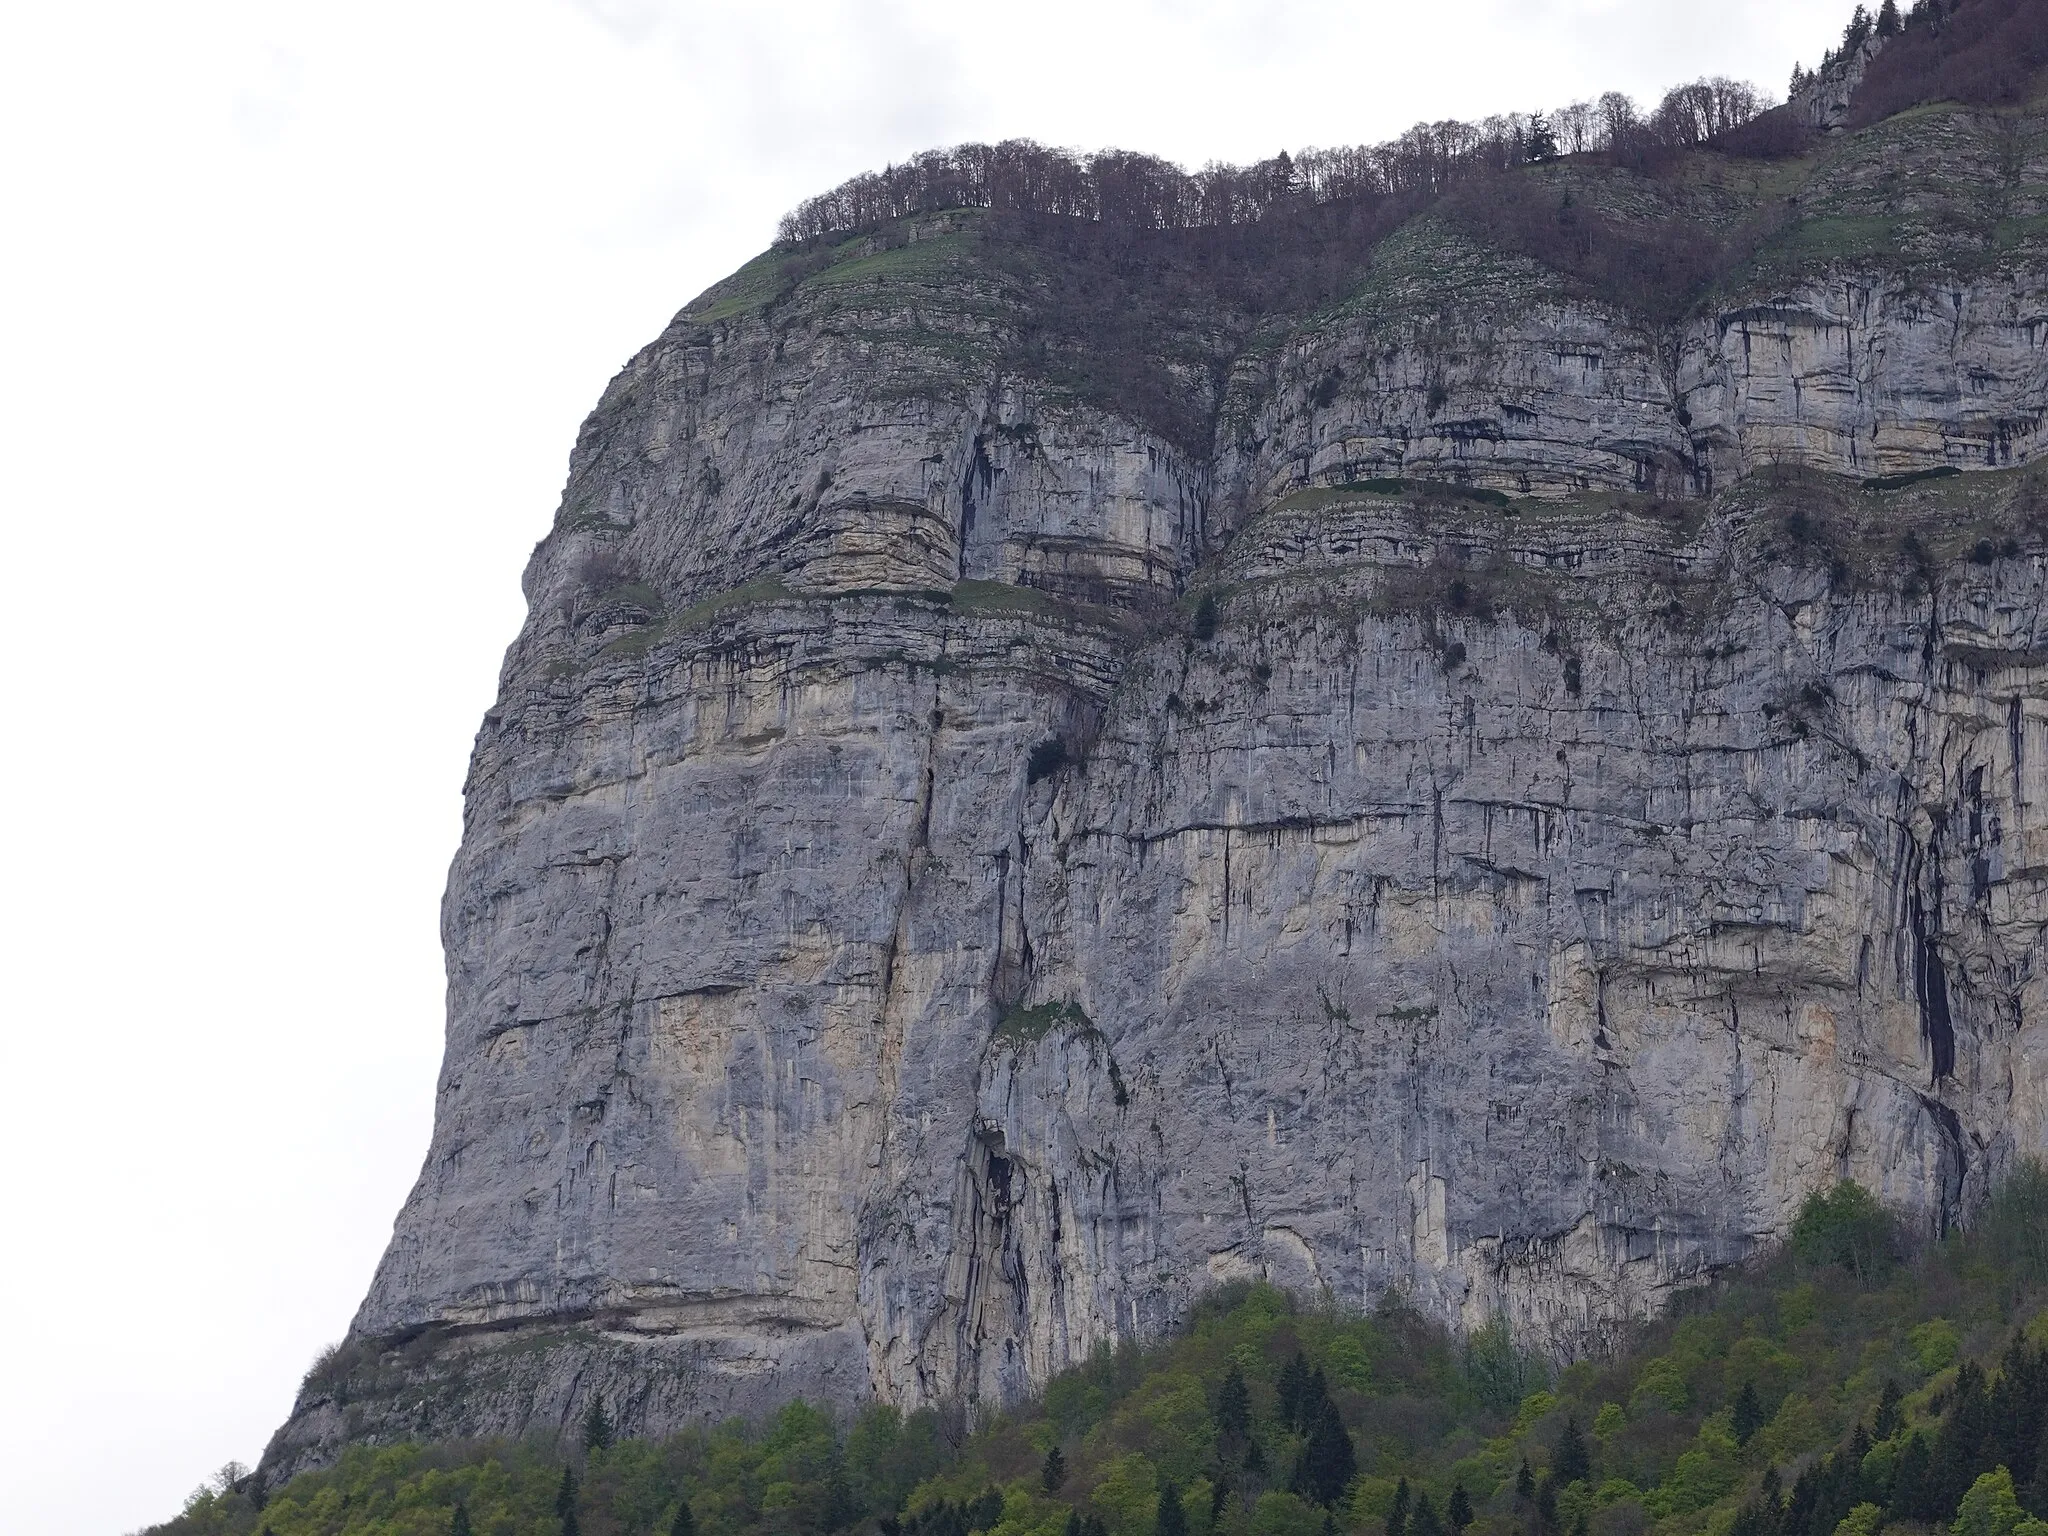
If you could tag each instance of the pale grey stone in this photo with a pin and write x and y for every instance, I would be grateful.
(1533, 954)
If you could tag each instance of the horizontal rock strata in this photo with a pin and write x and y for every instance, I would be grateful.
(959, 865)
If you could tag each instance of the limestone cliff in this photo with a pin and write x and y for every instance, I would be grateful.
(1000, 818)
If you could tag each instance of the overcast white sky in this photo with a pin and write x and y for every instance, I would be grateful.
(300, 305)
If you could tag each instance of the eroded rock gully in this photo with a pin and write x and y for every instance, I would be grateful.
(952, 873)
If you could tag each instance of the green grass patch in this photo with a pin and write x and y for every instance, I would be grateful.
(1005, 597)
(935, 256)
(1025, 1025)
(1911, 477)
(1315, 496)
(636, 594)
(761, 589)
(634, 644)
(753, 287)
(1841, 238)
(639, 642)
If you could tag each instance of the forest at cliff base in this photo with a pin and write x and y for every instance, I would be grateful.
(1852, 1381)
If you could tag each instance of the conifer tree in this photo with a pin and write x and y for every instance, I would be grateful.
(841, 1507)
(1525, 1481)
(1293, 1389)
(458, 1520)
(1570, 1462)
(1747, 1416)
(1888, 19)
(1234, 1405)
(1424, 1521)
(1055, 1470)
(1328, 1462)
(1957, 1455)
(1458, 1511)
(597, 1427)
(1172, 1520)
(565, 1502)
(1886, 1422)
(1911, 1496)
(685, 1522)
(1397, 1514)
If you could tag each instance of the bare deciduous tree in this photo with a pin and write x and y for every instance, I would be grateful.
(1119, 187)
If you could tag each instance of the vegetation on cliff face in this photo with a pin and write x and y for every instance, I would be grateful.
(1127, 282)
(1975, 52)
(1837, 1388)
(1980, 52)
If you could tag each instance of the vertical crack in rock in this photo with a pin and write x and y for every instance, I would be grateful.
(2016, 736)
(979, 476)
(1930, 976)
(1955, 1162)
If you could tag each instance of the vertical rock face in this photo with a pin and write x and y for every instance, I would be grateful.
(958, 866)
(1824, 98)
(1493, 373)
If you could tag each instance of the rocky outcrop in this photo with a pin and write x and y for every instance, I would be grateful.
(955, 871)
(1463, 365)
(1825, 98)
